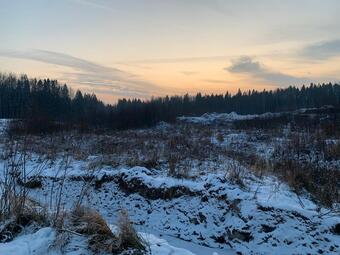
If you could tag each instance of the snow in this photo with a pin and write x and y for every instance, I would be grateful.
(162, 247)
(42, 243)
(211, 118)
(190, 219)
(37, 243)
(203, 222)
(214, 118)
(146, 177)
(195, 221)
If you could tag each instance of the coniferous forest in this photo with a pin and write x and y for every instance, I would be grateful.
(44, 101)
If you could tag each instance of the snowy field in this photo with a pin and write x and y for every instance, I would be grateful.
(218, 204)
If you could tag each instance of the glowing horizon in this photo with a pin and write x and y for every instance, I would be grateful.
(144, 48)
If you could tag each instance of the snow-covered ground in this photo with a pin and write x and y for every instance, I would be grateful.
(37, 243)
(223, 118)
(42, 242)
(207, 213)
(220, 118)
(263, 217)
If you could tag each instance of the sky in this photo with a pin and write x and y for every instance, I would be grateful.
(145, 48)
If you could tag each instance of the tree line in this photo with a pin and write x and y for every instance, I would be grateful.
(47, 101)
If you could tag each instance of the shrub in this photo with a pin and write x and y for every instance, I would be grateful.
(23, 212)
(36, 126)
(128, 237)
(101, 238)
(320, 182)
(236, 173)
(333, 151)
(90, 223)
(172, 165)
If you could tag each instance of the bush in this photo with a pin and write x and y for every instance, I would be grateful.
(128, 237)
(36, 126)
(101, 238)
(321, 183)
(90, 223)
(333, 151)
(23, 212)
(236, 173)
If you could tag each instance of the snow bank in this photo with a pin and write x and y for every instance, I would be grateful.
(211, 118)
(146, 177)
(30, 244)
(40, 243)
(162, 247)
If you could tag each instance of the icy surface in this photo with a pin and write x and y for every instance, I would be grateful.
(162, 247)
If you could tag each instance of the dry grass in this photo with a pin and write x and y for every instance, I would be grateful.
(333, 151)
(172, 166)
(128, 237)
(321, 183)
(260, 166)
(22, 212)
(236, 173)
(301, 163)
(90, 223)
(171, 150)
(16, 209)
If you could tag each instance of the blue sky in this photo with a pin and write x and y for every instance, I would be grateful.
(140, 48)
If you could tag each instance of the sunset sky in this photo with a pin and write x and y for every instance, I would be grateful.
(144, 48)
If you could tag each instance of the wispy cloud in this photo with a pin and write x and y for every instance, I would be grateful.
(195, 59)
(90, 74)
(179, 60)
(94, 4)
(61, 59)
(322, 50)
(247, 65)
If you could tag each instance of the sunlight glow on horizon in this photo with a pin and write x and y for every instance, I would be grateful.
(144, 48)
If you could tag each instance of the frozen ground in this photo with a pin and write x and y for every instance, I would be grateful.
(263, 217)
(42, 241)
(208, 212)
